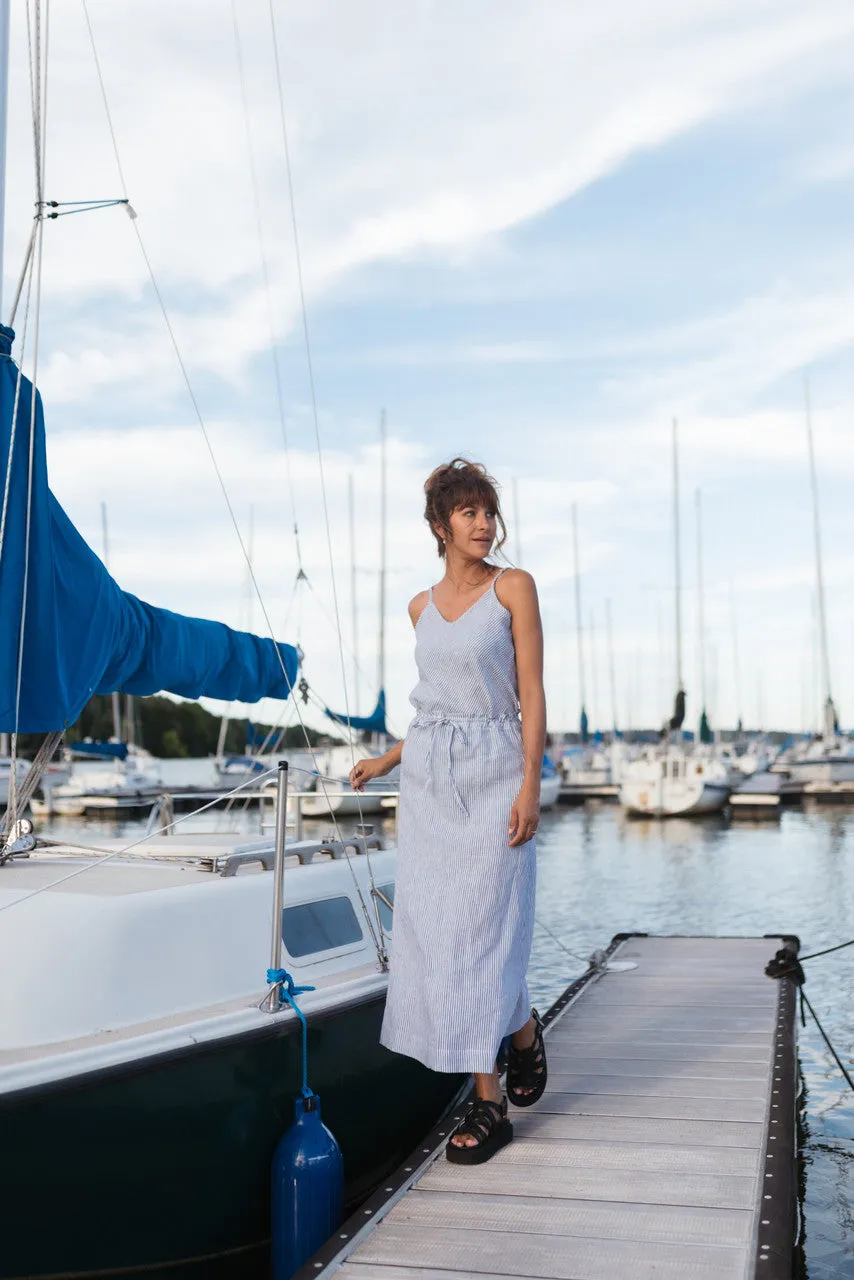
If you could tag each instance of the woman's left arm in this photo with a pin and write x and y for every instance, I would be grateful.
(518, 593)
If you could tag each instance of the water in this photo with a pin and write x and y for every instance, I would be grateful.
(600, 874)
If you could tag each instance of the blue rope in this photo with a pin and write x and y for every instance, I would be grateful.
(288, 991)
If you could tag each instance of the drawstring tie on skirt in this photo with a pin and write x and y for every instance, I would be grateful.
(456, 724)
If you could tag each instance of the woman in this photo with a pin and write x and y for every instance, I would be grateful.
(469, 809)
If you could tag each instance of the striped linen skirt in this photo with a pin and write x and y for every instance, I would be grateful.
(464, 900)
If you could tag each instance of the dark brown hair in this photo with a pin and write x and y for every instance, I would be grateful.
(457, 484)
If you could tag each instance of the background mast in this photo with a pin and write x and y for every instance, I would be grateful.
(677, 558)
(579, 625)
(824, 653)
(383, 463)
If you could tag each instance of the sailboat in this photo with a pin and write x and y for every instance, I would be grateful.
(335, 763)
(674, 779)
(146, 1072)
(586, 769)
(828, 758)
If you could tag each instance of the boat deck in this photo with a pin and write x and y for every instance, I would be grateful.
(664, 1146)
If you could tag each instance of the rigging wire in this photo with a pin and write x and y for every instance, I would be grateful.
(39, 47)
(379, 943)
(310, 368)
(265, 269)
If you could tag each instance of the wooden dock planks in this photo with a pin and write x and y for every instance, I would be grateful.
(663, 1147)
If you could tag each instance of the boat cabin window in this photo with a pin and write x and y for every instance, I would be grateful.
(319, 926)
(387, 916)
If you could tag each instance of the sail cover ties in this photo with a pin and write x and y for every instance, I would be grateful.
(81, 633)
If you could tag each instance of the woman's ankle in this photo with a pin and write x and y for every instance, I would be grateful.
(524, 1037)
(488, 1088)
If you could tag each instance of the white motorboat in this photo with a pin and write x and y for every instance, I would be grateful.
(828, 759)
(674, 781)
(586, 767)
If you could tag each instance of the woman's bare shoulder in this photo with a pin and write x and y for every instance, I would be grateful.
(417, 605)
(515, 587)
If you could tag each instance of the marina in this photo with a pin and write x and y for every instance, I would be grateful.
(665, 1146)
(269, 966)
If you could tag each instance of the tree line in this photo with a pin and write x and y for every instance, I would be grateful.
(170, 730)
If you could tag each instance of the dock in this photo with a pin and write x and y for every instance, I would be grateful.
(578, 792)
(663, 1149)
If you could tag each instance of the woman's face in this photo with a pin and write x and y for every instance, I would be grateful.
(473, 530)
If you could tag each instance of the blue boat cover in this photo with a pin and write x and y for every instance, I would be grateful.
(82, 633)
(584, 727)
(374, 723)
(104, 750)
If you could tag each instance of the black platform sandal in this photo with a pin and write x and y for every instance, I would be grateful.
(527, 1068)
(486, 1122)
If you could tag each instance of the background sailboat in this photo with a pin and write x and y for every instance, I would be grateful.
(830, 757)
(674, 779)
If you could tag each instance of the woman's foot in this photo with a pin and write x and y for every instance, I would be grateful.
(527, 1070)
(482, 1132)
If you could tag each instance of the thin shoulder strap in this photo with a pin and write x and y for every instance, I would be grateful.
(497, 576)
(430, 596)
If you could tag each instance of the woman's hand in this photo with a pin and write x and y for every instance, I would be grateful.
(525, 814)
(366, 770)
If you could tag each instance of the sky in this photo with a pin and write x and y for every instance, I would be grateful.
(535, 235)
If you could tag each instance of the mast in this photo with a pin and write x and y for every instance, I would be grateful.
(226, 719)
(677, 558)
(250, 587)
(117, 715)
(354, 608)
(5, 8)
(701, 606)
(594, 674)
(735, 659)
(824, 653)
(579, 625)
(383, 464)
(612, 681)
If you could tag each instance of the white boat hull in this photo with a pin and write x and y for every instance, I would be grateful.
(827, 771)
(672, 797)
(343, 802)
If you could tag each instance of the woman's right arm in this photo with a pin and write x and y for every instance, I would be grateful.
(379, 766)
(375, 766)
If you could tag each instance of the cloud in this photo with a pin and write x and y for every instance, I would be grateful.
(416, 128)
(430, 143)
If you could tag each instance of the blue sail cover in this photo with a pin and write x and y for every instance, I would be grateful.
(103, 750)
(82, 633)
(374, 723)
